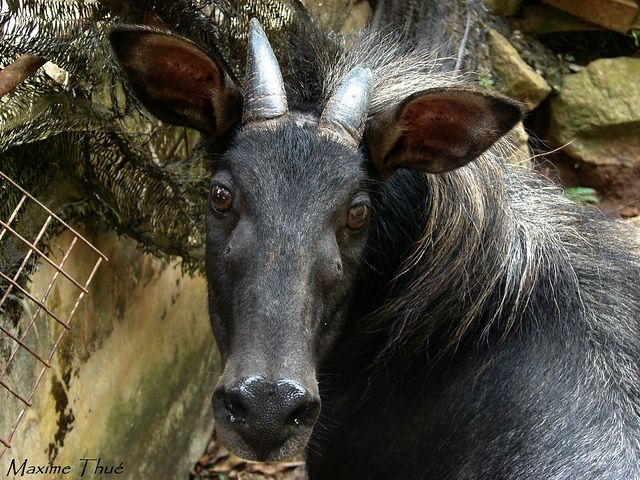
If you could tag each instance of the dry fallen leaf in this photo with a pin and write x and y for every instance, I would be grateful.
(217, 463)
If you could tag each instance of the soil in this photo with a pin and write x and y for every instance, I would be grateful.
(617, 187)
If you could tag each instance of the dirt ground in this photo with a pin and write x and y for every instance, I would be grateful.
(217, 463)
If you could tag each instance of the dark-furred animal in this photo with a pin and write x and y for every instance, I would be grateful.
(386, 291)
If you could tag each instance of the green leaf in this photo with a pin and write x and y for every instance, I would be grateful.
(582, 195)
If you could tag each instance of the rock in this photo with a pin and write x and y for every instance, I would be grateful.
(131, 382)
(620, 15)
(58, 74)
(518, 79)
(520, 141)
(598, 111)
(504, 8)
(358, 18)
(543, 60)
(539, 19)
(330, 14)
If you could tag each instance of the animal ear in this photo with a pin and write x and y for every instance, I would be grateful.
(176, 81)
(438, 130)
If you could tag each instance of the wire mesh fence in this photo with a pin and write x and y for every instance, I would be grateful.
(31, 329)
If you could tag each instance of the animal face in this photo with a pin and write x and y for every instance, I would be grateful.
(286, 225)
(289, 211)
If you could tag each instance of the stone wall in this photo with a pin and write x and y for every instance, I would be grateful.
(131, 382)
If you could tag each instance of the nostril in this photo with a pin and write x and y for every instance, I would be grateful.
(304, 416)
(232, 406)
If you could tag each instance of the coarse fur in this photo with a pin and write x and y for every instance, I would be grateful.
(518, 360)
(504, 329)
(482, 326)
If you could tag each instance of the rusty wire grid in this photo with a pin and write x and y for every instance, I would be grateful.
(29, 339)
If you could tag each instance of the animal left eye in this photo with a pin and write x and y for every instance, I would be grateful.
(358, 216)
(221, 198)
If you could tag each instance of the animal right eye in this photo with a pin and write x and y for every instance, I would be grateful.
(221, 198)
(358, 216)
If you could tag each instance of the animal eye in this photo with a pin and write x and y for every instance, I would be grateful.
(221, 198)
(358, 216)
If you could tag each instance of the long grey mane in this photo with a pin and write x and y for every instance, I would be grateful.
(501, 250)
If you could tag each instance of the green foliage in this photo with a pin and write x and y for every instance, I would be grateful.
(582, 195)
(143, 178)
(485, 80)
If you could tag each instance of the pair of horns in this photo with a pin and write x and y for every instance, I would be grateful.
(345, 114)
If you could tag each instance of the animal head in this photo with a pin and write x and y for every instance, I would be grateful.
(290, 209)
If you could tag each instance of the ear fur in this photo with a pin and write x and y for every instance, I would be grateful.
(175, 80)
(439, 130)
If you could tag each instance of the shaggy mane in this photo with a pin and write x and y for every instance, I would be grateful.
(498, 246)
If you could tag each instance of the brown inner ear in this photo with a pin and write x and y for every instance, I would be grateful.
(179, 71)
(434, 125)
(450, 128)
(175, 80)
(439, 130)
(173, 72)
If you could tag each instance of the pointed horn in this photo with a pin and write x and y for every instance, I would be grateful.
(346, 111)
(265, 96)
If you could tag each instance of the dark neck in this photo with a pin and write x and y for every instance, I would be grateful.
(449, 266)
